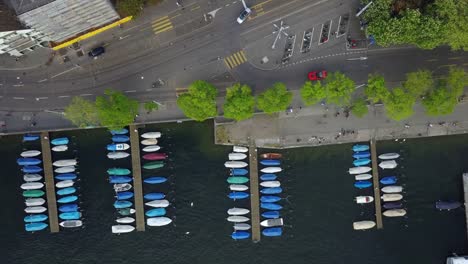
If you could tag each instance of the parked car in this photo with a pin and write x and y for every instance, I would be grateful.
(97, 51)
(244, 15)
(317, 75)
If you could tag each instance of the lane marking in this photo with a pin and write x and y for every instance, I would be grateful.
(195, 8)
(86, 94)
(18, 85)
(43, 80)
(63, 96)
(69, 70)
(18, 98)
(130, 91)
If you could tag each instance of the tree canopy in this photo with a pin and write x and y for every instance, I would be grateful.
(399, 104)
(239, 103)
(375, 89)
(440, 102)
(359, 108)
(418, 83)
(456, 80)
(129, 7)
(115, 110)
(199, 103)
(275, 99)
(312, 92)
(150, 106)
(339, 89)
(82, 113)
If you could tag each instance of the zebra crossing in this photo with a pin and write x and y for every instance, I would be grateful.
(162, 24)
(235, 59)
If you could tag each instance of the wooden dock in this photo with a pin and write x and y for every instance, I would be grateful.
(137, 182)
(254, 193)
(376, 184)
(465, 190)
(49, 183)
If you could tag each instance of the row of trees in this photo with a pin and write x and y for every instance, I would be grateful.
(133, 7)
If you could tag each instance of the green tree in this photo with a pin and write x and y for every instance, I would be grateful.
(275, 99)
(129, 7)
(439, 102)
(339, 89)
(239, 103)
(375, 89)
(454, 17)
(359, 108)
(456, 81)
(312, 92)
(418, 83)
(399, 104)
(150, 106)
(82, 113)
(199, 103)
(115, 110)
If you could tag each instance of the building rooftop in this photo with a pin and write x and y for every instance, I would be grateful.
(23, 6)
(8, 20)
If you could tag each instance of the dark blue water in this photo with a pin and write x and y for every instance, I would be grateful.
(319, 210)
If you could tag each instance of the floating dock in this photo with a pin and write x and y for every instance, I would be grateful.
(465, 190)
(376, 184)
(254, 193)
(49, 183)
(137, 182)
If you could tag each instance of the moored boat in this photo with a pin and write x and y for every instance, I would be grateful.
(271, 214)
(388, 164)
(66, 176)
(125, 220)
(32, 185)
(126, 211)
(70, 216)
(152, 148)
(151, 135)
(271, 206)
(238, 172)
(119, 229)
(71, 223)
(155, 156)
(237, 219)
(271, 170)
(389, 156)
(117, 155)
(270, 162)
(35, 209)
(361, 155)
(363, 225)
(364, 199)
(242, 226)
(362, 177)
(270, 184)
(392, 205)
(155, 212)
(154, 196)
(66, 191)
(268, 177)
(272, 231)
(33, 193)
(118, 171)
(67, 169)
(122, 131)
(28, 161)
(271, 156)
(237, 180)
(358, 148)
(238, 195)
(124, 195)
(447, 205)
(237, 156)
(122, 187)
(60, 148)
(238, 235)
(118, 146)
(275, 190)
(272, 222)
(32, 177)
(149, 142)
(30, 137)
(155, 180)
(35, 218)
(388, 180)
(153, 165)
(31, 169)
(158, 203)
(362, 184)
(238, 211)
(235, 164)
(359, 170)
(269, 198)
(361, 162)
(392, 189)
(64, 184)
(158, 221)
(119, 179)
(67, 199)
(34, 201)
(238, 187)
(391, 197)
(120, 138)
(394, 213)
(119, 204)
(60, 141)
(240, 149)
(35, 226)
(65, 163)
(68, 208)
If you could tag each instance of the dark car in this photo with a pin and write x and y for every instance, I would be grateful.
(317, 75)
(96, 51)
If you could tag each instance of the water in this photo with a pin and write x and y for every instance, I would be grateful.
(319, 210)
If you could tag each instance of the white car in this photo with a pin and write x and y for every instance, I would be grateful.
(243, 16)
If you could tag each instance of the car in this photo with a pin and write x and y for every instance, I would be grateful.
(244, 15)
(317, 75)
(96, 52)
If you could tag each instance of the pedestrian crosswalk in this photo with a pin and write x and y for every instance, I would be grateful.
(257, 11)
(235, 59)
(161, 25)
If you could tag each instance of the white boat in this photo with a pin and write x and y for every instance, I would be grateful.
(118, 229)
(158, 221)
(151, 135)
(30, 153)
(149, 142)
(272, 222)
(117, 155)
(359, 170)
(158, 203)
(394, 213)
(392, 189)
(35, 209)
(457, 260)
(71, 223)
(67, 169)
(270, 184)
(34, 201)
(32, 177)
(122, 187)
(242, 226)
(389, 156)
(237, 156)
(362, 225)
(240, 149)
(388, 164)
(125, 220)
(151, 148)
(361, 177)
(238, 211)
(60, 148)
(391, 197)
(32, 185)
(65, 162)
(235, 164)
(64, 184)
(237, 219)
(271, 170)
(364, 199)
(238, 187)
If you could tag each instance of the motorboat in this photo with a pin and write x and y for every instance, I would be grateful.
(126, 211)
(68, 208)
(119, 179)
(389, 156)
(117, 155)
(152, 148)
(35, 218)
(155, 212)
(158, 221)
(35, 209)
(392, 205)
(237, 180)
(120, 138)
(237, 156)
(32, 185)
(238, 195)
(363, 225)
(362, 184)
(30, 137)
(118, 146)
(269, 198)
(394, 212)
(391, 197)
(270, 162)
(238, 219)
(388, 164)
(271, 170)
(272, 231)
(31, 227)
(118, 171)
(122, 187)
(64, 184)
(271, 214)
(151, 135)
(60, 141)
(33, 193)
(238, 211)
(447, 205)
(60, 148)
(28, 161)
(392, 189)
(364, 199)
(361, 162)
(268, 177)
(65, 163)
(238, 187)
(155, 156)
(71, 223)
(125, 220)
(270, 184)
(31, 169)
(68, 199)
(388, 180)
(67, 169)
(240, 172)
(119, 229)
(242, 226)
(119, 204)
(358, 148)
(240, 149)
(32, 177)
(122, 131)
(238, 235)
(274, 190)
(34, 201)
(66, 191)
(362, 177)
(124, 195)
(66, 176)
(154, 196)
(361, 155)
(70, 216)
(272, 222)
(271, 206)
(153, 165)
(271, 156)
(359, 170)
(235, 164)
(155, 180)
(457, 259)
(158, 203)
(149, 142)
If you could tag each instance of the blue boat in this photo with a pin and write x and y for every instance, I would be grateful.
(119, 179)
(122, 204)
(268, 177)
(238, 195)
(59, 141)
(70, 216)
(120, 138)
(238, 172)
(155, 180)
(358, 147)
(270, 162)
(66, 191)
(67, 199)
(393, 205)
(124, 195)
(66, 176)
(388, 180)
(30, 137)
(28, 161)
(272, 231)
(271, 206)
(35, 218)
(274, 190)
(122, 131)
(156, 212)
(116, 146)
(237, 235)
(271, 214)
(35, 226)
(361, 162)
(154, 196)
(362, 184)
(269, 198)
(361, 155)
(68, 208)
(31, 169)
(447, 205)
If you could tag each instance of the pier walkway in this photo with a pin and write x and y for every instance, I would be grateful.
(375, 178)
(49, 182)
(137, 182)
(465, 190)
(254, 193)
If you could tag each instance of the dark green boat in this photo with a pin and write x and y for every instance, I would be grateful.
(33, 193)
(154, 165)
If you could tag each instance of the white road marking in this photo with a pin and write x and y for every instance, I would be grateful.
(18, 98)
(124, 37)
(43, 80)
(56, 75)
(130, 91)
(18, 85)
(41, 98)
(63, 96)
(86, 94)
(149, 90)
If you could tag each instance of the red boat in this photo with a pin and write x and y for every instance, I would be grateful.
(271, 156)
(155, 156)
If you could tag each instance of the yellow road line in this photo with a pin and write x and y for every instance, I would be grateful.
(227, 64)
(262, 3)
(432, 60)
(238, 58)
(160, 19)
(176, 16)
(162, 25)
(195, 8)
(243, 55)
(230, 62)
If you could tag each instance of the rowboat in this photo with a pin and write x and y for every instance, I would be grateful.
(31, 169)
(242, 226)
(240, 172)
(272, 222)
(270, 184)
(235, 164)
(388, 164)
(153, 165)
(271, 206)
(126, 211)
(149, 142)
(237, 219)
(238, 187)
(154, 196)
(65, 162)
(388, 180)
(361, 162)
(359, 170)
(158, 221)
(275, 190)
(30, 153)
(392, 189)
(66, 176)
(32, 185)
(238, 235)
(238, 211)
(118, 146)
(361, 177)
(364, 199)
(363, 225)
(362, 184)
(59, 141)
(66, 191)
(64, 184)
(152, 148)
(447, 205)
(120, 138)
(155, 156)
(117, 155)
(271, 170)
(268, 177)
(125, 220)
(361, 155)
(124, 195)
(122, 131)
(118, 171)
(66, 169)
(119, 229)
(394, 212)
(270, 162)
(35, 218)
(35, 209)
(158, 203)
(271, 214)
(122, 187)
(155, 180)
(68, 207)
(28, 161)
(238, 195)
(35, 226)
(33, 193)
(389, 156)
(70, 216)
(32, 177)
(237, 180)
(60, 148)
(271, 156)
(119, 179)
(240, 149)
(269, 198)
(122, 204)
(272, 231)
(390, 197)
(67, 199)
(71, 223)
(392, 205)
(34, 201)
(358, 147)
(30, 137)
(237, 156)
(155, 212)
(151, 135)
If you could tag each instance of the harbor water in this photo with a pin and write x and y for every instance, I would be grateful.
(319, 209)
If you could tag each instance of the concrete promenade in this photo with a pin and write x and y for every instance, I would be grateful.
(254, 193)
(375, 179)
(49, 183)
(137, 182)
(465, 190)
